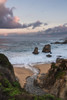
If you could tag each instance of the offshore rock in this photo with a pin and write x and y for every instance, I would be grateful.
(36, 51)
(47, 48)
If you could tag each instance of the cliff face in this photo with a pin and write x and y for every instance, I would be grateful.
(55, 81)
(9, 87)
(6, 68)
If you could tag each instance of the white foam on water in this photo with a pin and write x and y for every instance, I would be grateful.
(31, 59)
(27, 59)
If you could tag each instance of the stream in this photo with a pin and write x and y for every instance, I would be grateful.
(30, 87)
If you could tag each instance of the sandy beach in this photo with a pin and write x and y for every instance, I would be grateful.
(43, 68)
(23, 73)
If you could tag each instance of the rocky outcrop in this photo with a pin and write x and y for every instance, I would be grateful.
(47, 48)
(6, 67)
(64, 42)
(55, 81)
(9, 87)
(59, 60)
(36, 51)
(48, 55)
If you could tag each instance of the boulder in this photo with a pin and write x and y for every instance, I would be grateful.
(47, 48)
(36, 51)
(59, 60)
(48, 55)
(57, 43)
(59, 56)
(64, 42)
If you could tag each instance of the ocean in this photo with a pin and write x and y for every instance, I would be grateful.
(19, 50)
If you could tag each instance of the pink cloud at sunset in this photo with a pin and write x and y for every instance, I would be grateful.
(3, 1)
(16, 19)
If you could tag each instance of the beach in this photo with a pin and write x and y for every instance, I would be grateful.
(43, 68)
(23, 73)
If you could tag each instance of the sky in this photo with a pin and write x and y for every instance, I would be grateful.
(31, 15)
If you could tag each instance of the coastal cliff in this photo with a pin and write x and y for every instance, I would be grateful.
(10, 88)
(55, 81)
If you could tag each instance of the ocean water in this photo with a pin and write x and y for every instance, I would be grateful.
(19, 50)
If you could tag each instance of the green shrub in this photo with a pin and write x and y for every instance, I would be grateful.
(16, 84)
(6, 83)
(49, 97)
(53, 66)
(60, 74)
(15, 91)
(35, 98)
(46, 97)
(10, 90)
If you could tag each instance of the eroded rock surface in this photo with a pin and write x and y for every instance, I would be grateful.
(55, 81)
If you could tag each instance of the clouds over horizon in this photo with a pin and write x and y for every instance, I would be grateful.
(58, 29)
(34, 24)
(9, 21)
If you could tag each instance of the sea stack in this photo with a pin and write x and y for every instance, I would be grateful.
(47, 48)
(36, 51)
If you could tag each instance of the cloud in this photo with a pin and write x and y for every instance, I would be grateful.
(65, 24)
(2, 1)
(9, 21)
(34, 24)
(58, 29)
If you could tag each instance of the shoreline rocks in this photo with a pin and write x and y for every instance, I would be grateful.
(49, 56)
(64, 42)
